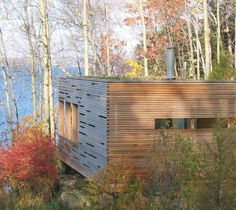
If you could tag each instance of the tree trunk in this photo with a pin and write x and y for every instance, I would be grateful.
(7, 86)
(192, 74)
(38, 60)
(32, 57)
(144, 38)
(198, 52)
(85, 32)
(91, 40)
(13, 98)
(48, 107)
(41, 97)
(108, 62)
(94, 58)
(218, 31)
(7, 97)
(234, 39)
(207, 41)
(41, 91)
(229, 39)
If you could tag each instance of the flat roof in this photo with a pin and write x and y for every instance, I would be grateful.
(113, 80)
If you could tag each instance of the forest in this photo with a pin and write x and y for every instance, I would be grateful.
(43, 40)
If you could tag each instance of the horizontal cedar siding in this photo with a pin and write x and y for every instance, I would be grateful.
(133, 108)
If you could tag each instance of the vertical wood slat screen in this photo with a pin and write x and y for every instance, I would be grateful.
(68, 116)
(74, 123)
(61, 119)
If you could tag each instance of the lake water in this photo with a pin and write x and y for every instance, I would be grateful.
(22, 87)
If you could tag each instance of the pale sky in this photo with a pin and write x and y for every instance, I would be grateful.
(16, 45)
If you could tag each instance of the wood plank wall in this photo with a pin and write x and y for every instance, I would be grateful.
(86, 150)
(134, 106)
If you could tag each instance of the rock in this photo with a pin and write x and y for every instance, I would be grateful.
(70, 183)
(74, 199)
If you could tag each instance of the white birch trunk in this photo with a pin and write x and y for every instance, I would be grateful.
(191, 49)
(48, 107)
(94, 57)
(229, 39)
(146, 73)
(92, 40)
(8, 86)
(218, 31)
(207, 41)
(85, 33)
(235, 39)
(108, 62)
(7, 97)
(32, 57)
(198, 50)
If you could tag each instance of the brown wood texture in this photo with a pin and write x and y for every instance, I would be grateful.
(68, 120)
(116, 120)
(61, 120)
(133, 108)
(74, 123)
(84, 145)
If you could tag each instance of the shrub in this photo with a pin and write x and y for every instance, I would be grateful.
(27, 166)
(114, 188)
(223, 70)
(175, 169)
(219, 174)
(137, 69)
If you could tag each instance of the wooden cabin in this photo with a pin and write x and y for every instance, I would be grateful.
(102, 121)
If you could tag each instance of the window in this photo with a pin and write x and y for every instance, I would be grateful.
(68, 120)
(190, 123)
(210, 123)
(163, 123)
(170, 123)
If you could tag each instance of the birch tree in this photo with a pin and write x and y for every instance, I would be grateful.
(8, 87)
(48, 106)
(235, 39)
(141, 10)
(218, 31)
(28, 31)
(190, 48)
(7, 95)
(198, 49)
(108, 62)
(85, 33)
(208, 66)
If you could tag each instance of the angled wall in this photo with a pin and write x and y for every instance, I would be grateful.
(83, 124)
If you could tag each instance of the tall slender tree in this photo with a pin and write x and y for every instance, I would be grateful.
(85, 32)
(28, 31)
(208, 66)
(48, 106)
(108, 62)
(218, 31)
(8, 87)
(235, 39)
(141, 10)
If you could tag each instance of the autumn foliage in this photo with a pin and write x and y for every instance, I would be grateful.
(29, 162)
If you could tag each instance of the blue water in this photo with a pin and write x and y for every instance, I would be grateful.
(22, 87)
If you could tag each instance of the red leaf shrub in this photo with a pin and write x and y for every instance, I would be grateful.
(30, 160)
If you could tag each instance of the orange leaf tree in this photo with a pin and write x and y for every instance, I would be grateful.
(29, 162)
